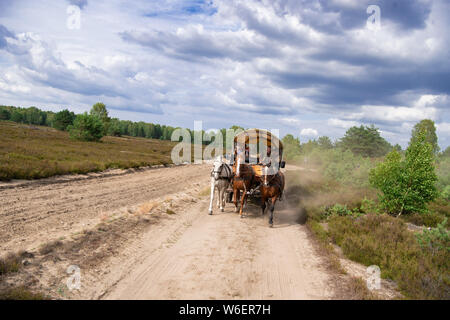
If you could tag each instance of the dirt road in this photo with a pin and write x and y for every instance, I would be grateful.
(182, 254)
(32, 212)
(225, 257)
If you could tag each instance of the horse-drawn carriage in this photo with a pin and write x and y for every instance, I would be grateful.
(255, 162)
(260, 151)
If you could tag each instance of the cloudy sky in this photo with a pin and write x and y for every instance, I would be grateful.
(309, 68)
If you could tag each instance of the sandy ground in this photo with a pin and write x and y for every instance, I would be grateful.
(225, 257)
(143, 250)
(34, 212)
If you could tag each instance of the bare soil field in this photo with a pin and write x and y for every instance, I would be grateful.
(146, 234)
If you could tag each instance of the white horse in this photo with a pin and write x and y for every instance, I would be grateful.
(220, 179)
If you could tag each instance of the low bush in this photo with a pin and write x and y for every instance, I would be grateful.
(429, 219)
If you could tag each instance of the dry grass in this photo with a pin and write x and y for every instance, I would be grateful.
(10, 263)
(205, 192)
(50, 247)
(30, 152)
(357, 290)
(21, 293)
(147, 207)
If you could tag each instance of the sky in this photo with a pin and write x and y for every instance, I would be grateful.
(308, 68)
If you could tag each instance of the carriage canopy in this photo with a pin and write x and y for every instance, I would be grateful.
(257, 136)
(257, 145)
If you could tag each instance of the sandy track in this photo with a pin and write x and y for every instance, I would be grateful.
(38, 211)
(186, 255)
(224, 257)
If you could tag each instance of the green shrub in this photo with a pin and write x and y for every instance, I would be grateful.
(368, 206)
(63, 119)
(408, 184)
(338, 209)
(86, 128)
(435, 238)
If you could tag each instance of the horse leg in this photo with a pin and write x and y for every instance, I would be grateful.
(236, 195)
(220, 189)
(218, 194)
(263, 204)
(212, 196)
(224, 195)
(244, 197)
(272, 207)
(224, 188)
(245, 193)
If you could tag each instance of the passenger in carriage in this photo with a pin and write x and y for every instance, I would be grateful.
(266, 161)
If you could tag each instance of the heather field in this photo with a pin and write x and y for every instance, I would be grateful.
(31, 152)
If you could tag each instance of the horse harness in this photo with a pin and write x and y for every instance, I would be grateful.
(227, 169)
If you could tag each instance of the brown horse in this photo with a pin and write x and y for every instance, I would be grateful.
(243, 178)
(271, 190)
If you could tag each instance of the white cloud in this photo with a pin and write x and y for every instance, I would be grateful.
(394, 114)
(291, 121)
(345, 124)
(309, 132)
(443, 128)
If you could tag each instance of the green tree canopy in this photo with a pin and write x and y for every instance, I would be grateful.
(291, 146)
(398, 147)
(63, 119)
(365, 141)
(86, 128)
(5, 114)
(408, 184)
(325, 142)
(99, 110)
(428, 127)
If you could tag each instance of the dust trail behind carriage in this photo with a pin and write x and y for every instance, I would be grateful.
(146, 234)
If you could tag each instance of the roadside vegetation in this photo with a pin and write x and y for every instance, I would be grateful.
(388, 208)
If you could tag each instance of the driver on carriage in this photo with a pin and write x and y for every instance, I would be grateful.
(266, 159)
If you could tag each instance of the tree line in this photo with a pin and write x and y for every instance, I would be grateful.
(90, 126)
(363, 140)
